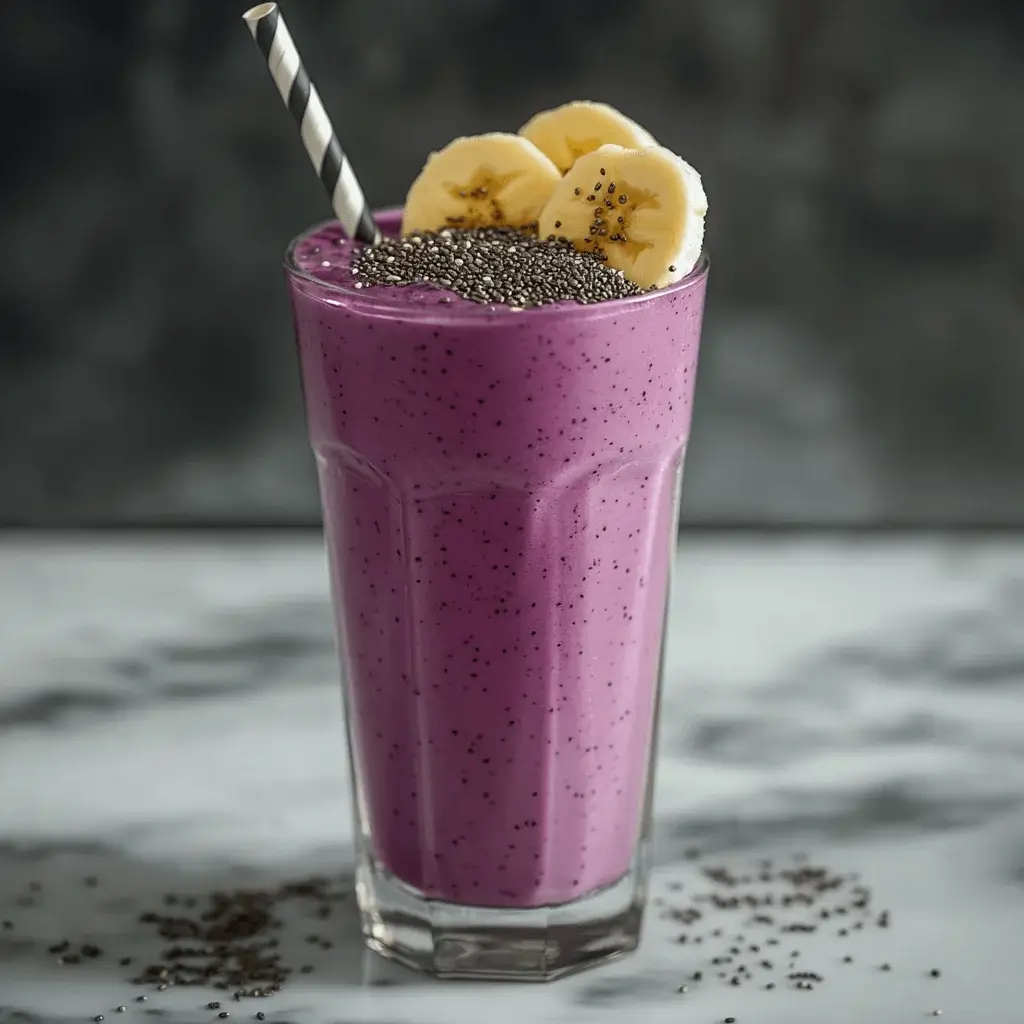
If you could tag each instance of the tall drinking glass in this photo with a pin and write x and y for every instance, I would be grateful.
(500, 499)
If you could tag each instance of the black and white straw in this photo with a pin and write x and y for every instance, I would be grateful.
(321, 142)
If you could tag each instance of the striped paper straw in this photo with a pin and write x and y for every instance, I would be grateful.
(321, 141)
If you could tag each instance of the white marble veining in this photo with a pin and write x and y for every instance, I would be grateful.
(169, 721)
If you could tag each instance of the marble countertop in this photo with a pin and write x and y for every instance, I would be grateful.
(169, 722)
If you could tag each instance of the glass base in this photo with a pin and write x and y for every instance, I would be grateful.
(449, 940)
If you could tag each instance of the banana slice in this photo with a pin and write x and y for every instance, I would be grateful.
(643, 208)
(495, 180)
(570, 131)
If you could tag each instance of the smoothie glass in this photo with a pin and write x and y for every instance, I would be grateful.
(500, 495)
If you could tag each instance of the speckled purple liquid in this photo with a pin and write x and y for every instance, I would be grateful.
(499, 493)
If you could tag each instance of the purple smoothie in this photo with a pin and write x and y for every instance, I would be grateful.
(499, 493)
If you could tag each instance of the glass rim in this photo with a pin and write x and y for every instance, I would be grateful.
(390, 305)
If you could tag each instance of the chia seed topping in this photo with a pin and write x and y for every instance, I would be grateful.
(493, 266)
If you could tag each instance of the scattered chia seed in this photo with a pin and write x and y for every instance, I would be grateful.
(495, 266)
(229, 940)
(792, 894)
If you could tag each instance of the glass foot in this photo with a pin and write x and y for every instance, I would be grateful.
(449, 940)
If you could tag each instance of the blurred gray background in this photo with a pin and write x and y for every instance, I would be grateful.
(864, 162)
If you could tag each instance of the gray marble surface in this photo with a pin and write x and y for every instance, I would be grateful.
(169, 722)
